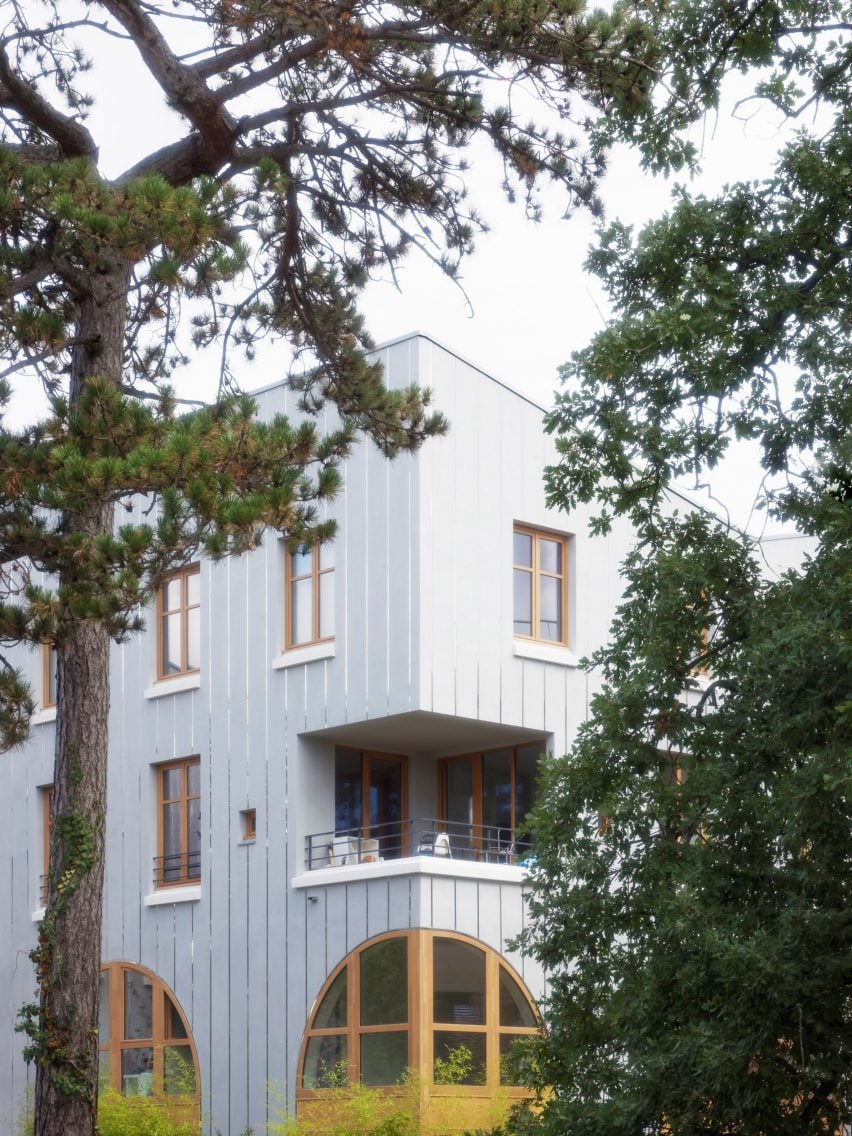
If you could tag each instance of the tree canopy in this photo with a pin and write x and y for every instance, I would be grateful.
(691, 894)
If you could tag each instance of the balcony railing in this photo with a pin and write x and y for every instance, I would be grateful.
(177, 868)
(482, 843)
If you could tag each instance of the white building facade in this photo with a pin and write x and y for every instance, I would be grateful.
(320, 767)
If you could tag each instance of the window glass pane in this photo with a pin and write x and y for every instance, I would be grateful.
(459, 982)
(550, 555)
(325, 1062)
(384, 1057)
(385, 803)
(332, 1011)
(137, 1076)
(326, 555)
(193, 639)
(103, 1069)
(172, 867)
(193, 588)
(527, 761)
(514, 1008)
(326, 599)
(193, 779)
(522, 598)
(497, 794)
(138, 1008)
(103, 1011)
(301, 614)
(51, 676)
(550, 601)
(384, 984)
(508, 1075)
(174, 1026)
(172, 784)
(172, 594)
(347, 790)
(300, 564)
(522, 549)
(178, 1070)
(171, 660)
(193, 831)
(458, 795)
(459, 1058)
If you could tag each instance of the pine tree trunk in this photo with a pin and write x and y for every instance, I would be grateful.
(69, 953)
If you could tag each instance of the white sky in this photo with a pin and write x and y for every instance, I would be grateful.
(532, 304)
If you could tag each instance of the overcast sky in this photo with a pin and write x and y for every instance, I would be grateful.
(530, 303)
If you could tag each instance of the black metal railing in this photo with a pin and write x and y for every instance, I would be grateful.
(482, 843)
(177, 868)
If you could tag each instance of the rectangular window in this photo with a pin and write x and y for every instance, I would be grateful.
(249, 817)
(540, 585)
(46, 805)
(310, 595)
(48, 682)
(178, 858)
(179, 624)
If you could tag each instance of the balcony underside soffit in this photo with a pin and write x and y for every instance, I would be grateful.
(422, 733)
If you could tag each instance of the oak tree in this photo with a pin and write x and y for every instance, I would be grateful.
(691, 895)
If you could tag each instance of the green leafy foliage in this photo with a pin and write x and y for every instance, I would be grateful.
(691, 888)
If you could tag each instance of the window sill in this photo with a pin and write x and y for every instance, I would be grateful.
(173, 685)
(177, 894)
(544, 652)
(308, 654)
(48, 714)
(38, 915)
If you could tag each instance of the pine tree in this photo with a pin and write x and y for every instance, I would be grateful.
(691, 897)
(316, 144)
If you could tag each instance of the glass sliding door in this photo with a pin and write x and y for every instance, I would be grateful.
(485, 799)
(459, 793)
(370, 804)
(385, 812)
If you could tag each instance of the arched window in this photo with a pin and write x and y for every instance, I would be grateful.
(441, 1004)
(146, 1047)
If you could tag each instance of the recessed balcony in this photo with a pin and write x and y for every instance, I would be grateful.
(424, 836)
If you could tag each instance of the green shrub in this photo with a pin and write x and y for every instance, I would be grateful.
(144, 1116)
(356, 1110)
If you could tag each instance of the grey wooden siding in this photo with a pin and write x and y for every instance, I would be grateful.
(423, 622)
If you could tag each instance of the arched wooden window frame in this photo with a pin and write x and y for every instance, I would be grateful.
(420, 1024)
(159, 1041)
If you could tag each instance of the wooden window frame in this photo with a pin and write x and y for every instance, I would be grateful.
(315, 574)
(184, 879)
(249, 817)
(476, 760)
(366, 759)
(420, 1024)
(183, 610)
(536, 572)
(160, 1038)
(48, 669)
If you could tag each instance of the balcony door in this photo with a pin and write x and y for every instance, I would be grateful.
(485, 799)
(370, 791)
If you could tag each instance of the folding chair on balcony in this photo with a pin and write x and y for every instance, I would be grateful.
(434, 844)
